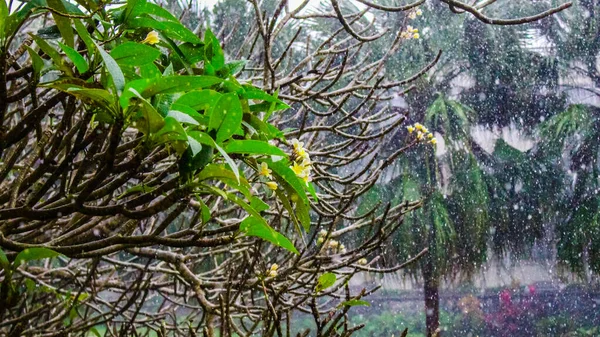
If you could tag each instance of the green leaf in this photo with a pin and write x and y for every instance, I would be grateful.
(147, 119)
(182, 117)
(354, 303)
(229, 162)
(149, 70)
(200, 99)
(36, 61)
(134, 54)
(132, 8)
(226, 117)
(193, 52)
(173, 30)
(205, 211)
(141, 188)
(85, 36)
(253, 147)
(149, 87)
(235, 67)
(213, 52)
(171, 131)
(31, 254)
(48, 50)
(286, 173)
(252, 226)
(325, 281)
(94, 332)
(3, 18)
(258, 204)
(185, 109)
(3, 259)
(63, 23)
(75, 57)
(113, 69)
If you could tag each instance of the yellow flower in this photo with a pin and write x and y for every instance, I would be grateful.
(362, 261)
(411, 129)
(152, 38)
(265, 171)
(412, 15)
(272, 185)
(416, 35)
(419, 12)
(273, 273)
(429, 135)
(297, 168)
(320, 240)
(433, 141)
(419, 127)
(420, 135)
(333, 244)
(274, 266)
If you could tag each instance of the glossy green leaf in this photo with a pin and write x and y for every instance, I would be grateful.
(200, 119)
(171, 131)
(36, 61)
(200, 99)
(253, 147)
(133, 8)
(325, 281)
(134, 54)
(286, 173)
(94, 332)
(235, 67)
(354, 303)
(229, 162)
(173, 30)
(85, 36)
(113, 68)
(149, 70)
(252, 226)
(226, 116)
(147, 119)
(215, 171)
(195, 146)
(31, 254)
(3, 17)
(149, 87)
(182, 117)
(193, 52)
(156, 10)
(48, 50)
(213, 52)
(63, 22)
(75, 57)
(258, 204)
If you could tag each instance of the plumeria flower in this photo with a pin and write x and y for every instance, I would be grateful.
(297, 144)
(265, 171)
(272, 273)
(362, 261)
(274, 266)
(152, 38)
(272, 185)
(297, 168)
(420, 135)
(410, 129)
(413, 14)
(323, 232)
(333, 244)
(433, 141)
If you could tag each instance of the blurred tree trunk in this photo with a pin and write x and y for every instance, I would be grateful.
(432, 296)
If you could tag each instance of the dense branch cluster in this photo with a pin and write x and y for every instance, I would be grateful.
(142, 251)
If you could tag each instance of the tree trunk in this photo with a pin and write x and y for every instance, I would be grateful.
(432, 297)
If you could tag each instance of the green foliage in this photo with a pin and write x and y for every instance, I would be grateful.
(325, 281)
(179, 92)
